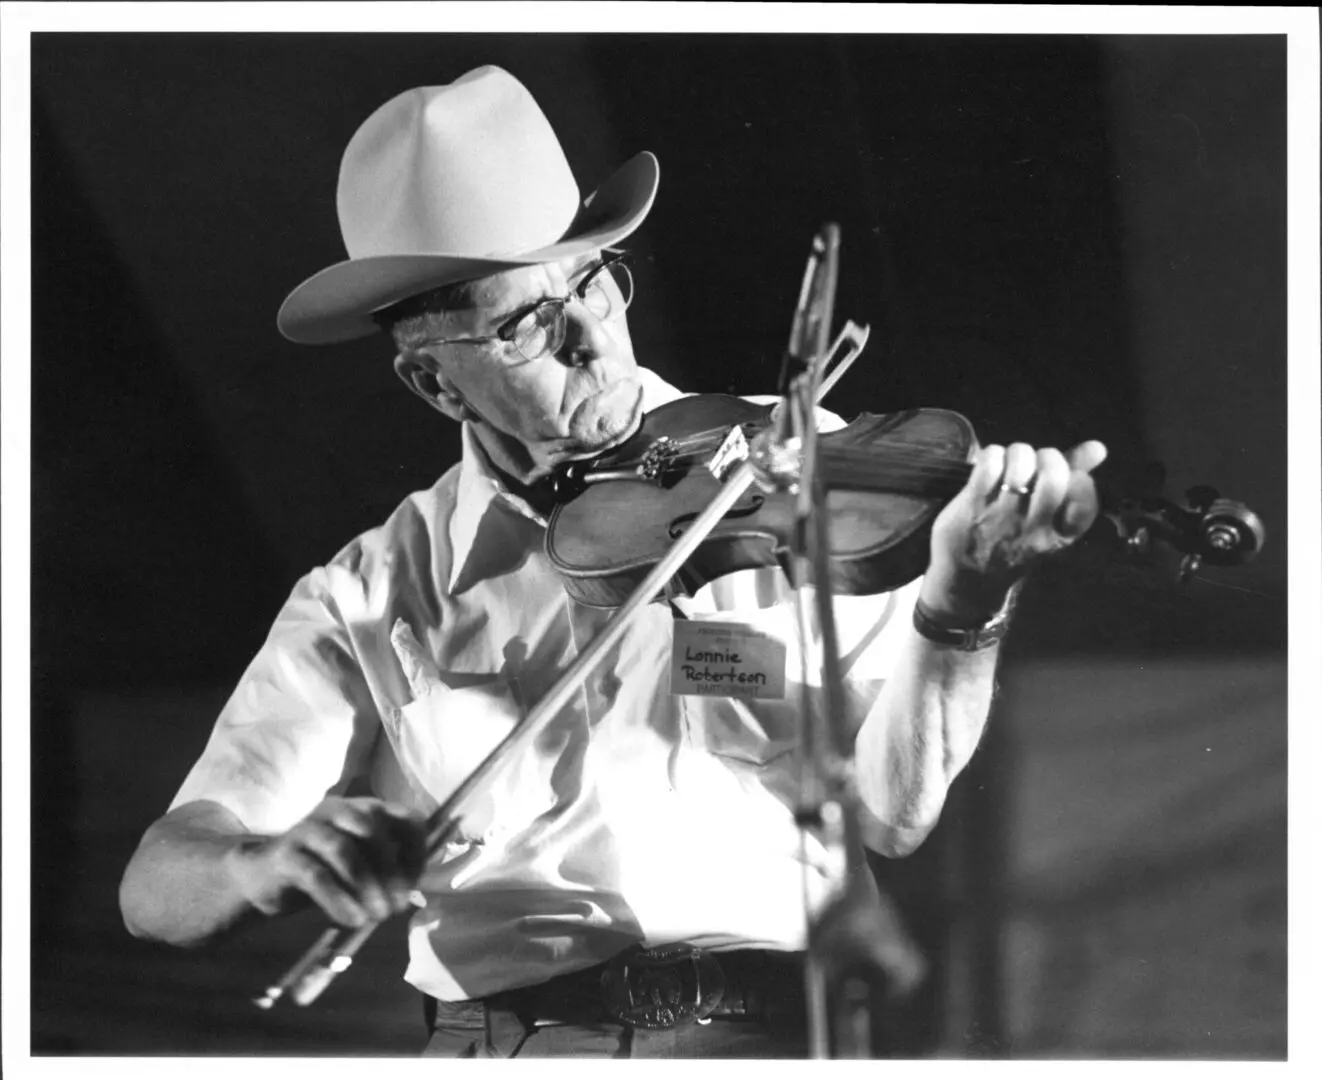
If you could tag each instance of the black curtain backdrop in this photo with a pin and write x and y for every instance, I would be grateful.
(1061, 237)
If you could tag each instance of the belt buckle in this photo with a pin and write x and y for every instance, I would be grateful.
(647, 988)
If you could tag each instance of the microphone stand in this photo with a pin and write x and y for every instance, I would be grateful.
(847, 934)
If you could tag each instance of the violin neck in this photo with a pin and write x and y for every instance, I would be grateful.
(897, 473)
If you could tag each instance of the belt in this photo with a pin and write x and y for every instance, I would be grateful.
(666, 987)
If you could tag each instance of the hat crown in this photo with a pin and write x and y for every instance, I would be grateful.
(472, 168)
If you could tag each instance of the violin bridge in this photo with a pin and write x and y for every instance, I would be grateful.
(733, 451)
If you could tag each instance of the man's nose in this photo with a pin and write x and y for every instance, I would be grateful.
(587, 338)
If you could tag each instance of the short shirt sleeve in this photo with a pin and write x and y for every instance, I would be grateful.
(300, 724)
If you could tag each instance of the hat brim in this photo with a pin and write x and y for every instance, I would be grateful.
(337, 303)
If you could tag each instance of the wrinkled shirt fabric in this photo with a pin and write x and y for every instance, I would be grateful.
(638, 815)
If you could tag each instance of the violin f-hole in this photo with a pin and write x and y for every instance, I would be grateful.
(740, 509)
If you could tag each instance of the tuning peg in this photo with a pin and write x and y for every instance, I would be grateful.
(1188, 567)
(1139, 542)
(1232, 533)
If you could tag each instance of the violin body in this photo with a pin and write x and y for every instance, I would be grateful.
(623, 511)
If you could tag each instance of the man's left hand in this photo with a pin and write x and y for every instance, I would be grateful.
(1019, 505)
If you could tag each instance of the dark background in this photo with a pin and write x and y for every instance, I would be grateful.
(1061, 237)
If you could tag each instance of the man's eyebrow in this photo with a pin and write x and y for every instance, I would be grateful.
(583, 262)
(502, 317)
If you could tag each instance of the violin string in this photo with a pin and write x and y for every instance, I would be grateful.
(896, 485)
(713, 437)
(917, 463)
(1237, 588)
(884, 471)
(866, 471)
(878, 456)
(897, 460)
(872, 463)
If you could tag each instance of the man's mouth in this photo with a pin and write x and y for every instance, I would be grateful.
(603, 430)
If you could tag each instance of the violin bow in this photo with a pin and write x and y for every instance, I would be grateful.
(851, 335)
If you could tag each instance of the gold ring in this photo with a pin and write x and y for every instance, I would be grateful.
(1016, 489)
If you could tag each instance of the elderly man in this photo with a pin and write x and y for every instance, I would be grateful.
(643, 824)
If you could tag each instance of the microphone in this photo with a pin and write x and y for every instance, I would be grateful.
(776, 453)
(811, 327)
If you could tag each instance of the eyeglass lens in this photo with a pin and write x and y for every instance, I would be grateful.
(606, 292)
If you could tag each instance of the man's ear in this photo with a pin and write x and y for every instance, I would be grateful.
(421, 373)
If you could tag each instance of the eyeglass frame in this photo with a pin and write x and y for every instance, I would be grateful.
(505, 331)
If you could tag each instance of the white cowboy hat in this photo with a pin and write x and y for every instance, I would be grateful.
(451, 183)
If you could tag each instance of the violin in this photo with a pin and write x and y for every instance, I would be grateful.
(886, 477)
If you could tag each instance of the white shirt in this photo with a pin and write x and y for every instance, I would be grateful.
(638, 816)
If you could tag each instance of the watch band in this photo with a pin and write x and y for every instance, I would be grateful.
(970, 638)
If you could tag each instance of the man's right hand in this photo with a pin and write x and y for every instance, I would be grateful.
(356, 859)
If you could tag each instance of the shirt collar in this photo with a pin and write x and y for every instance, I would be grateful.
(480, 485)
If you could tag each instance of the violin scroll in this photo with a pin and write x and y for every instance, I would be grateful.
(1206, 529)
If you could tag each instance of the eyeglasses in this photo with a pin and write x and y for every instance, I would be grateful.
(605, 288)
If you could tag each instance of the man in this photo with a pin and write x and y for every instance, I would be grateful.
(643, 826)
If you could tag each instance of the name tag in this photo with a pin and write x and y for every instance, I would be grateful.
(715, 659)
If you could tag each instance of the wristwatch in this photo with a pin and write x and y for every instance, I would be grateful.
(966, 638)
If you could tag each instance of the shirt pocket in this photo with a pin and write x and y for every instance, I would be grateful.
(441, 737)
(750, 733)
